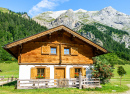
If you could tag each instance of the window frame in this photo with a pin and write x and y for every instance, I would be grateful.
(69, 51)
(77, 72)
(41, 77)
(53, 53)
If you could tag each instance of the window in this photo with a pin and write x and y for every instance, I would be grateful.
(40, 73)
(53, 50)
(66, 51)
(77, 71)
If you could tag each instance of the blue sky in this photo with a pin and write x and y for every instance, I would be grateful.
(34, 7)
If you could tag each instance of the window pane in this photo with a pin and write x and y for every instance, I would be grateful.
(53, 50)
(78, 70)
(38, 71)
(66, 51)
(42, 71)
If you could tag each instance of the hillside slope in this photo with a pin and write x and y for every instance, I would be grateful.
(13, 27)
(118, 49)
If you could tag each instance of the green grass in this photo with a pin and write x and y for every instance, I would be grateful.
(125, 77)
(9, 69)
(108, 88)
(4, 10)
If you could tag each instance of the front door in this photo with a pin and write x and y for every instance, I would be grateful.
(59, 73)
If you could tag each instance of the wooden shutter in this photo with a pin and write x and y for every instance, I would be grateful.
(74, 51)
(45, 49)
(47, 73)
(72, 71)
(33, 73)
(84, 72)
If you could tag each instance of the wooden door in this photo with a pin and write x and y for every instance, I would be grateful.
(59, 73)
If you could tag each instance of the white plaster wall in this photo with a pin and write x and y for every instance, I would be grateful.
(25, 70)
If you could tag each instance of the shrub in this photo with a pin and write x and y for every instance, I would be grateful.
(102, 70)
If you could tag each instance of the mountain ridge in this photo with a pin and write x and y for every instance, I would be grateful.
(107, 16)
(74, 19)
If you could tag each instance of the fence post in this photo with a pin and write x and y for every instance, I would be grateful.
(11, 78)
(8, 79)
(15, 78)
(80, 80)
(99, 81)
(18, 84)
(38, 83)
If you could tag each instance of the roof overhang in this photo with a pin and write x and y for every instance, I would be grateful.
(7, 47)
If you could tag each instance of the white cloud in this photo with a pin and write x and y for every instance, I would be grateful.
(44, 4)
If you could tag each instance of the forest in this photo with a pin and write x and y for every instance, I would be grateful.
(14, 27)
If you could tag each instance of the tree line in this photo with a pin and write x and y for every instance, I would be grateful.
(14, 27)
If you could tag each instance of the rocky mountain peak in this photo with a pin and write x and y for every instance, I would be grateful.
(109, 8)
(80, 10)
(108, 11)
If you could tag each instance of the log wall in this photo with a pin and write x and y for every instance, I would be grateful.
(31, 52)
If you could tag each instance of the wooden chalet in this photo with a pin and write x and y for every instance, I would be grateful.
(53, 54)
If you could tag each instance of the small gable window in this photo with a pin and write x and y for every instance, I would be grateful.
(66, 51)
(53, 50)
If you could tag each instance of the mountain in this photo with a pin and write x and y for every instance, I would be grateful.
(107, 16)
(75, 20)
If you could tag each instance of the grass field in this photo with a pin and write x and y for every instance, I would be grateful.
(9, 69)
(125, 77)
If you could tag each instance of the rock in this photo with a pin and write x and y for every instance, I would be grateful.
(125, 39)
(25, 16)
(91, 37)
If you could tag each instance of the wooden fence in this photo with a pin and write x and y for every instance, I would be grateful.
(4, 80)
(58, 83)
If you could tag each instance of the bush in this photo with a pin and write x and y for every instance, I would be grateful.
(102, 70)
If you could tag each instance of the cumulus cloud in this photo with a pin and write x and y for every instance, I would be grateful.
(44, 4)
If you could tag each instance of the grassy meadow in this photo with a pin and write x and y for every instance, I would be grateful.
(11, 68)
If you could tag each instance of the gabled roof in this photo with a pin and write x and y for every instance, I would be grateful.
(61, 27)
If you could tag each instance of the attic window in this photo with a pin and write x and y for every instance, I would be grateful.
(66, 51)
(53, 50)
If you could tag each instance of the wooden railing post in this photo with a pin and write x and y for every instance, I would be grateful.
(80, 80)
(11, 78)
(17, 84)
(8, 79)
(99, 81)
(38, 83)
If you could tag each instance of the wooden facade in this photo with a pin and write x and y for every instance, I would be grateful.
(36, 50)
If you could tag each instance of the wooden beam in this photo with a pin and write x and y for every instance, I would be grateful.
(20, 51)
(60, 56)
(49, 36)
(50, 64)
(72, 37)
